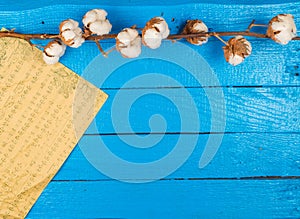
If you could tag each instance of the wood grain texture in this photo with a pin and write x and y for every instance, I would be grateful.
(240, 155)
(21, 5)
(270, 65)
(170, 199)
(262, 117)
(219, 17)
(275, 109)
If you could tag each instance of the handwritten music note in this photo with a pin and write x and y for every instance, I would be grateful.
(44, 112)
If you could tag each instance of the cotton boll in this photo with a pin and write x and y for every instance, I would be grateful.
(50, 60)
(68, 25)
(129, 43)
(55, 48)
(282, 28)
(101, 14)
(77, 31)
(53, 51)
(78, 41)
(200, 26)
(96, 22)
(195, 26)
(154, 32)
(129, 33)
(236, 50)
(68, 35)
(152, 38)
(283, 37)
(235, 59)
(126, 36)
(100, 27)
(163, 28)
(132, 51)
(71, 33)
(242, 46)
(89, 17)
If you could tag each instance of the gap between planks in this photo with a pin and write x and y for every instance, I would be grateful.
(198, 179)
(187, 87)
(185, 133)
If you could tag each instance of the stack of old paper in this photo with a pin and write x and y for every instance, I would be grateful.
(44, 112)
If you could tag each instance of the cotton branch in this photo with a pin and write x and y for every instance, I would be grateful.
(113, 36)
(96, 28)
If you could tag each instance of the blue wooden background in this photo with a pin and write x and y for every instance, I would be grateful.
(256, 172)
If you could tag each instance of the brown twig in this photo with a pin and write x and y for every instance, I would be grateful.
(28, 36)
(100, 48)
(219, 38)
(250, 26)
(210, 34)
(113, 36)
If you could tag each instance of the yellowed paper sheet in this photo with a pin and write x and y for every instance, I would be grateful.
(44, 112)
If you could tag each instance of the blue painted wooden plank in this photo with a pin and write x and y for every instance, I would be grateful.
(275, 109)
(33, 4)
(270, 64)
(239, 155)
(220, 17)
(248, 110)
(170, 199)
